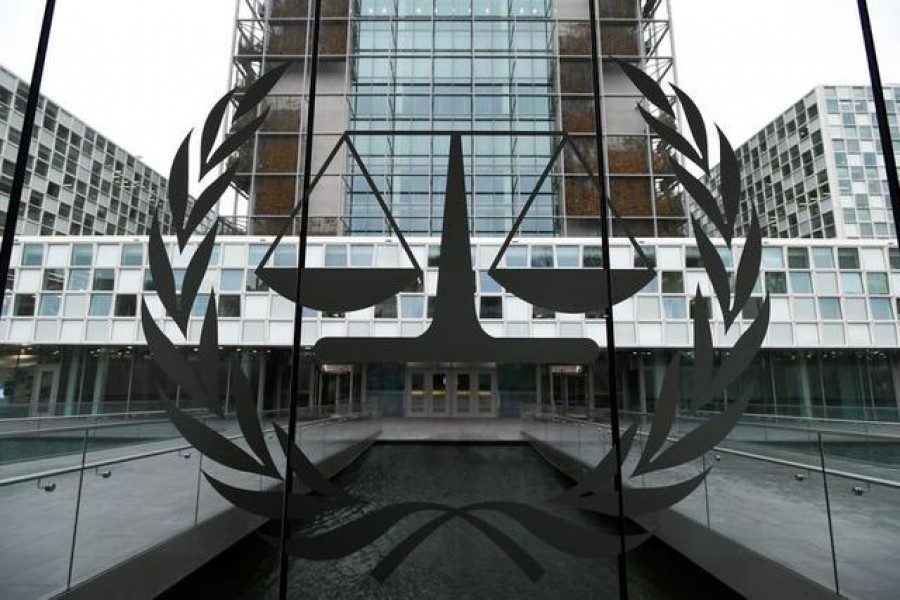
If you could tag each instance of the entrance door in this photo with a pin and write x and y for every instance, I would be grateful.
(451, 393)
(569, 390)
(336, 391)
(43, 395)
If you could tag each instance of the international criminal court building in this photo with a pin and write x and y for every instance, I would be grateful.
(453, 299)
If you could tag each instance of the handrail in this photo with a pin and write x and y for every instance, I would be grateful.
(863, 434)
(769, 459)
(37, 432)
(148, 454)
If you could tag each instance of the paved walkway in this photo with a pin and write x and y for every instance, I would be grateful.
(769, 509)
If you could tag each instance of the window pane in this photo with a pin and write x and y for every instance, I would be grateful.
(542, 256)
(82, 255)
(33, 255)
(776, 283)
(877, 283)
(772, 258)
(53, 279)
(49, 305)
(386, 309)
(593, 256)
(672, 282)
(335, 256)
(132, 255)
(852, 283)
(826, 283)
(848, 258)
(798, 258)
(801, 283)
(830, 308)
(491, 307)
(881, 308)
(24, 305)
(100, 305)
(229, 305)
(567, 256)
(823, 258)
(126, 305)
(231, 280)
(412, 307)
(487, 284)
(674, 308)
(104, 279)
(78, 279)
(362, 256)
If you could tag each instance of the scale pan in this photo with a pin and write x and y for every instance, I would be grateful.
(338, 289)
(571, 290)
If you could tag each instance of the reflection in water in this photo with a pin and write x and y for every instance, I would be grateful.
(457, 561)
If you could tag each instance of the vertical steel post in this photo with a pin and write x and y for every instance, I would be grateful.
(298, 306)
(884, 130)
(18, 183)
(608, 314)
(837, 585)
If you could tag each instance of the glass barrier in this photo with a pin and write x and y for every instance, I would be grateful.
(125, 489)
(823, 504)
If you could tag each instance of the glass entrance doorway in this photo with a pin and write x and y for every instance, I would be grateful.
(451, 393)
(338, 390)
(43, 396)
(569, 390)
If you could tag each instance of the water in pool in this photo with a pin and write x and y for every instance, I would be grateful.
(456, 561)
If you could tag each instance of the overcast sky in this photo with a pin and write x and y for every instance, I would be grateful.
(144, 72)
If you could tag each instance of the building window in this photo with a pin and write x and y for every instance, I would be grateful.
(49, 305)
(674, 308)
(100, 305)
(335, 255)
(877, 283)
(852, 283)
(82, 255)
(542, 313)
(32, 255)
(542, 256)
(672, 282)
(434, 256)
(491, 307)
(104, 280)
(132, 255)
(229, 305)
(126, 305)
(881, 308)
(801, 282)
(255, 284)
(412, 307)
(53, 279)
(776, 283)
(386, 309)
(516, 256)
(24, 305)
(830, 308)
(798, 258)
(823, 258)
(848, 258)
(231, 280)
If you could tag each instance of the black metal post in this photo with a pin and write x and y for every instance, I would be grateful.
(608, 314)
(298, 306)
(884, 130)
(18, 184)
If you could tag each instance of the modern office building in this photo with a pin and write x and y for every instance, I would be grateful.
(415, 66)
(78, 181)
(72, 310)
(816, 171)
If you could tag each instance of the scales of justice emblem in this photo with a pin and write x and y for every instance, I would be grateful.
(455, 336)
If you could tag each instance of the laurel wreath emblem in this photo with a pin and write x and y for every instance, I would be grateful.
(595, 492)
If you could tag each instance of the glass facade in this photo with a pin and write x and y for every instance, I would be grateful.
(409, 67)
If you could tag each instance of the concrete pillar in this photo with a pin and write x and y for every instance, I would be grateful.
(805, 394)
(261, 383)
(100, 380)
(72, 379)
